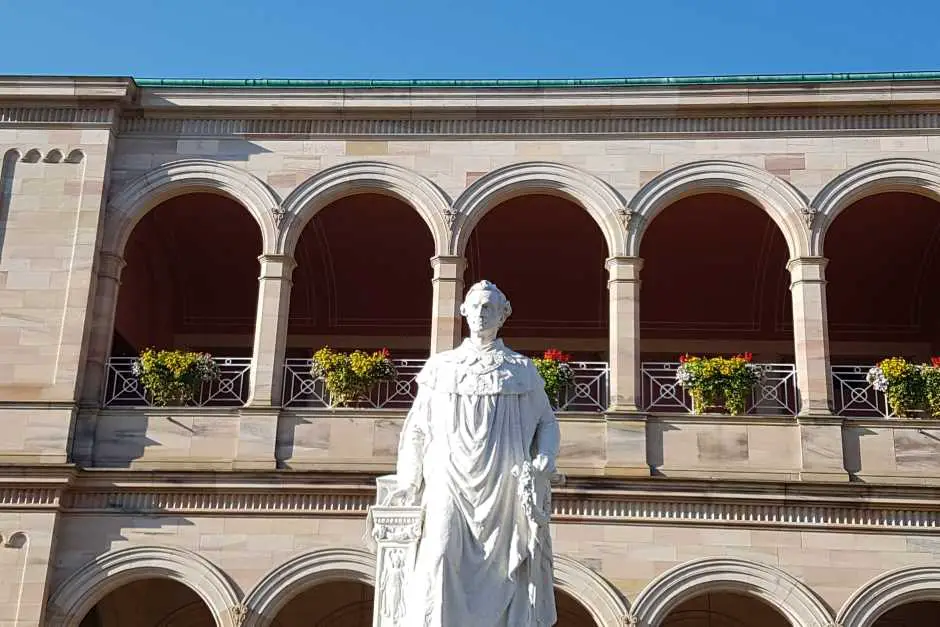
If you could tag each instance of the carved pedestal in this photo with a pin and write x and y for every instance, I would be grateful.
(395, 530)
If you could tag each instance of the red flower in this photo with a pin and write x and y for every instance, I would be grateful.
(684, 357)
(935, 362)
(384, 352)
(553, 354)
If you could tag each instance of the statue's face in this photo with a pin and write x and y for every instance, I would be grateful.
(483, 310)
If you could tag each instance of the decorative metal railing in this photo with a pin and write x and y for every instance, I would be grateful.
(123, 388)
(777, 394)
(853, 396)
(302, 389)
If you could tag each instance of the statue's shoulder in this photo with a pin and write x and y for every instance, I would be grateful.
(461, 371)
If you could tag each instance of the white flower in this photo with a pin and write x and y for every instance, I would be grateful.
(876, 379)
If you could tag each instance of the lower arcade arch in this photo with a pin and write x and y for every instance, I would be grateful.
(724, 609)
(904, 597)
(150, 603)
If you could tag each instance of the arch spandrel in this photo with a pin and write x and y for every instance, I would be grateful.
(359, 177)
(916, 176)
(186, 176)
(594, 195)
(283, 583)
(888, 591)
(785, 205)
(78, 594)
(792, 598)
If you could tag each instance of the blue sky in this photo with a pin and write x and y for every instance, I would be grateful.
(479, 39)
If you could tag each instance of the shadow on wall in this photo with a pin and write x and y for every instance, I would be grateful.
(7, 168)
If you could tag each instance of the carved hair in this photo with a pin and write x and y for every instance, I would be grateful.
(489, 286)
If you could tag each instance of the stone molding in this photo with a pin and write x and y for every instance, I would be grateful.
(918, 176)
(69, 117)
(597, 197)
(887, 591)
(137, 197)
(603, 601)
(284, 582)
(552, 127)
(329, 185)
(109, 571)
(784, 204)
(678, 505)
(795, 600)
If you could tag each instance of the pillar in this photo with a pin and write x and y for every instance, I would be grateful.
(811, 334)
(447, 285)
(107, 282)
(270, 345)
(623, 286)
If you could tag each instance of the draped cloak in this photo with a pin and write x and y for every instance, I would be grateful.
(485, 557)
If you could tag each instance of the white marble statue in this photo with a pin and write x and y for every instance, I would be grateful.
(477, 451)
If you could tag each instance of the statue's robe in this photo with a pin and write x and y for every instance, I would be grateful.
(480, 415)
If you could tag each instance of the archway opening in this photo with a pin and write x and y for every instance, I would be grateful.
(362, 282)
(570, 612)
(547, 255)
(914, 614)
(715, 282)
(724, 609)
(332, 604)
(190, 283)
(150, 603)
(884, 267)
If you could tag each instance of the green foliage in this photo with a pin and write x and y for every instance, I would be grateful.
(350, 376)
(557, 373)
(909, 387)
(718, 381)
(173, 377)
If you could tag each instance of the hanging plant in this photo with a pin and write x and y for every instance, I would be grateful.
(174, 377)
(557, 373)
(349, 377)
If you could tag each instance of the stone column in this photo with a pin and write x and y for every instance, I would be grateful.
(107, 283)
(395, 531)
(447, 285)
(270, 346)
(624, 289)
(811, 334)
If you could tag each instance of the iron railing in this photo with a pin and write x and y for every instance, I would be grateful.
(123, 388)
(302, 389)
(853, 396)
(776, 395)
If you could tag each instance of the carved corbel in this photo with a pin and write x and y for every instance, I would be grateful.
(280, 216)
(809, 216)
(450, 217)
(239, 614)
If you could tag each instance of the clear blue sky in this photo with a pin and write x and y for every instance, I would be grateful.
(477, 39)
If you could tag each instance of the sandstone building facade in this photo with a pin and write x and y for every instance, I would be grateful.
(630, 221)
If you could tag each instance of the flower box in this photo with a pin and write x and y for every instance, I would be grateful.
(718, 384)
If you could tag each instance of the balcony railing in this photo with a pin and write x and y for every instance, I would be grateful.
(853, 396)
(123, 388)
(777, 394)
(302, 389)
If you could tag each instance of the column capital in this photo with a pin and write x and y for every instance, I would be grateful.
(624, 268)
(276, 266)
(448, 267)
(110, 265)
(807, 269)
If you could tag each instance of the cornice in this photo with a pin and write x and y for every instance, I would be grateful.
(15, 115)
(585, 124)
(66, 88)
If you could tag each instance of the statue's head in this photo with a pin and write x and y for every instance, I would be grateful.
(485, 307)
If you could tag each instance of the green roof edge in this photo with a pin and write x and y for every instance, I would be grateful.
(533, 83)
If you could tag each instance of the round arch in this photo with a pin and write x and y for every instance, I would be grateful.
(186, 176)
(784, 204)
(75, 597)
(599, 597)
(357, 177)
(917, 176)
(778, 589)
(887, 591)
(280, 585)
(598, 198)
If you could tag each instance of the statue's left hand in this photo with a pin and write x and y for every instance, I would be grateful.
(543, 464)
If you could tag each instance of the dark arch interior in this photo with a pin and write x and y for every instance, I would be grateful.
(882, 278)
(570, 612)
(547, 254)
(150, 603)
(714, 280)
(724, 609)
(915, 614)
(191, 279)
(363, 279)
